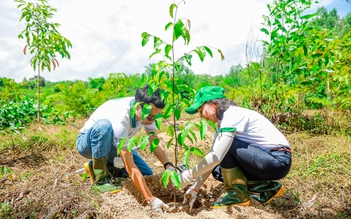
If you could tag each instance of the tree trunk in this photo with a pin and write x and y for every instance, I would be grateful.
(38, 94)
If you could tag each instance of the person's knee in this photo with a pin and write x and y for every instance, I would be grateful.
(104, 125)
(217, 173)
(148, 172)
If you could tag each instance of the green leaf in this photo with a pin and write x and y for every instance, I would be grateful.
(326, 58)
(200, 54)
(154, 144)
(170, 24)
(175, 179)
(180, 139)
(308, 16)
(120, 145)
(187, 128)
(197, 152)
(305, 51)
(144, 142)
(178, 30)
(187, 36)
(264, 30)
(145, 39)
(165, 177)
(170, 143)
(157, 42)
(146, 109)
(187, 58)
(190, 138)
(203, 128)
(168, 48)
(158, 121)
(167, 112)
(209, 51)
(135, 140)
(130, 144)
(171, 8)
(186, 102)
(157, 51)
(177, 113)
(186, 157)
(134, 108)
(193, 134)
(160, 77)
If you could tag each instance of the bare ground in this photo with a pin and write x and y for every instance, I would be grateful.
(40, 186)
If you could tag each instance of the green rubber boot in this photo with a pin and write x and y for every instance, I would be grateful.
(237, 193)
(100, 176)
(268, 190)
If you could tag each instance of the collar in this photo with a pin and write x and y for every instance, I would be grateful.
(132, 118)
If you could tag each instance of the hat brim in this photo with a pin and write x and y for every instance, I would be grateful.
(193, 108)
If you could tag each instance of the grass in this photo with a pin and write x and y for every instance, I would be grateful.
(34, 162)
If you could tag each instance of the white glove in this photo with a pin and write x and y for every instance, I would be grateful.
(158, 205)
(170, 168)
(179, 168)
(190, 197)
(186, 178)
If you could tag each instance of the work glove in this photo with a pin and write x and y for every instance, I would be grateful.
(190, 197)
(186, 178)
(158, 205)
(179, 169)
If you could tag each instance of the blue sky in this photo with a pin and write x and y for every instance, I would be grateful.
(106, 37)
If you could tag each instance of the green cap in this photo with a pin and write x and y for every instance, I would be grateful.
(203, 95)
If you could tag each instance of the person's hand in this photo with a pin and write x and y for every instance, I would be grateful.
(158, 205)
(186, 178)
(179, 169)
(190, 197)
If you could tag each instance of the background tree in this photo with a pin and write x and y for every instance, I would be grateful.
(43, 39)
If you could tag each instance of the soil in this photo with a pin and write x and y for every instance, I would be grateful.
(43, 184)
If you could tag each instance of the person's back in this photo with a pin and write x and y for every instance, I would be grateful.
(253, 128)
(114, 110)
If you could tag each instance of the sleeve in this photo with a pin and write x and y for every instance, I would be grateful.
(200, 180)
(219, 149)
(233, 121)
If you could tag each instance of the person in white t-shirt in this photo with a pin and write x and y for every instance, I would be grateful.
(249, 153)
(109, 124)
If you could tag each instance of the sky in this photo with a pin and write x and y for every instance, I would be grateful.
(106, 37)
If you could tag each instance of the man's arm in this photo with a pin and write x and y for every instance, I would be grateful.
(135, 174)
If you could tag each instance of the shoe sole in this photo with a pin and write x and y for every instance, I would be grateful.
(277, 195)
(225, 206)
(87, 171)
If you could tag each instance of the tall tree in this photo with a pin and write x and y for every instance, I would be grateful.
(42, 37)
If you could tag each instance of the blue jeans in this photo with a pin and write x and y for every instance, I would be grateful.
(97, 143)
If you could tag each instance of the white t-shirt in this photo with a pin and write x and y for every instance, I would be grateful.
(117, 111)
(252, 127)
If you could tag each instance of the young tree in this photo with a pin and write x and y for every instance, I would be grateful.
(42, 37)
(164, 74)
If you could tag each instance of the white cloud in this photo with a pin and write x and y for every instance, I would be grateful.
(106, 36)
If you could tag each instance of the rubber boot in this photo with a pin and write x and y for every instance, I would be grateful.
(117, 172)
(268, 190)
(100, 176)
(237, 193)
